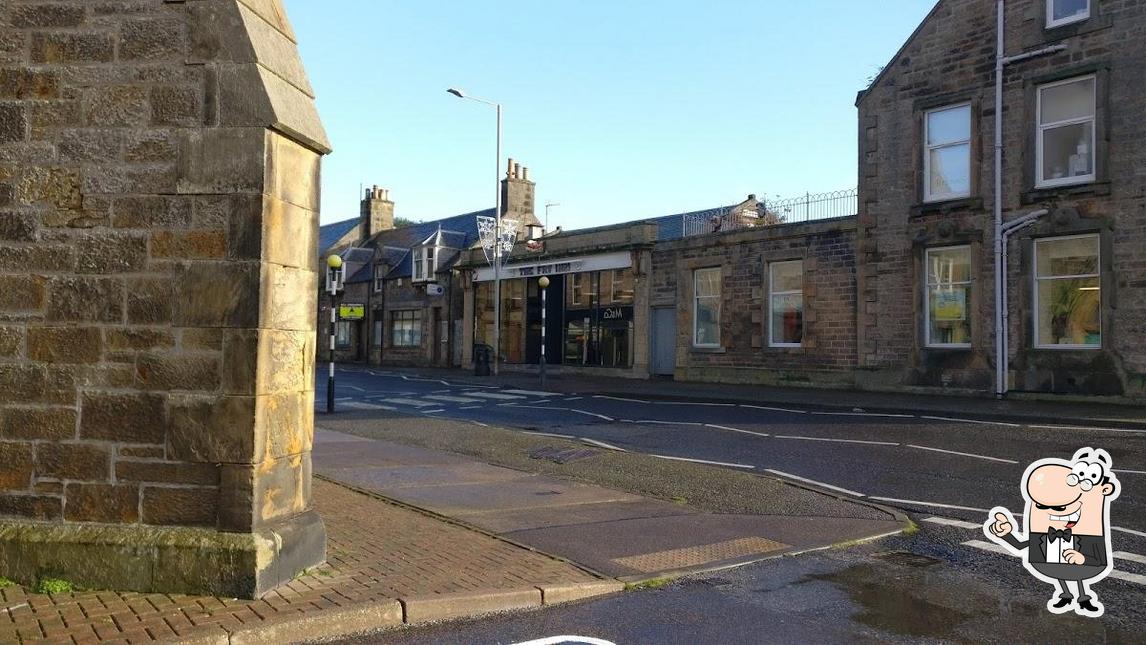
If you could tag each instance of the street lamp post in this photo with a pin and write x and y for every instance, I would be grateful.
(543, 282)
(333, 283)
(497, 228)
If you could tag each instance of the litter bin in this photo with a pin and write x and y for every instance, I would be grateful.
(483, 354)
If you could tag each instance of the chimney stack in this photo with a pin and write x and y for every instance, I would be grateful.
(376, 214)
(517, 199)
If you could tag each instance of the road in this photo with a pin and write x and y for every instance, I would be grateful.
(945, 471)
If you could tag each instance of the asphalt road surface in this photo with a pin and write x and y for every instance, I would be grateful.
(946, 472)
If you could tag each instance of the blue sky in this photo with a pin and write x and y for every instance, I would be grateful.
(621, 110)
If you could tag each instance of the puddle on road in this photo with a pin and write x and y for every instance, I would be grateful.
(890, 607)
(916, 603)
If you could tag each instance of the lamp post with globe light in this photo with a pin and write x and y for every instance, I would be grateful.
(333, 285)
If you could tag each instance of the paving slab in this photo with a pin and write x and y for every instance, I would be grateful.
(401, 476)
(540, 518)
(523, 493)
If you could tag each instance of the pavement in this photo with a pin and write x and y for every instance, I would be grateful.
(1114, 412)
(417, 536)
(614, 534)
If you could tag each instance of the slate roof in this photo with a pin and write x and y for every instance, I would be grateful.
(329, 234)
(457, 232)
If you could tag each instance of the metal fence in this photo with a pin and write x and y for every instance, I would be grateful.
(772, 212)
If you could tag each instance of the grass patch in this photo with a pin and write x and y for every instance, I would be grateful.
(912, 528)
(5, 583)
(53, 586)
(655, 583)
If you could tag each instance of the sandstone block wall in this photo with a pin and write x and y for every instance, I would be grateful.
(159, 168)
(951, 60)
(827, 250)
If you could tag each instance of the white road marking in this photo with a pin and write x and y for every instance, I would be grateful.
(344, 398)
(863, 414)
(1132, 557)
(618, 398)
(430, 411)
(705, 461)
(770, 409)
(668, 423)
(355, 387)
(358, 405)
(411, 402)
(1130, 531)
(531, 393)
(1131, 472)
(978, 421)
(731, 429)
(1088, 428)
(963, 454)
(602, 444)
(813, 482)
(592, 414)
(574, 398)
(912, 502)
(496, 396)
(479, 423)
(548, 434)
(450, 399)
(1129, 577)
(873, 443)
(987, 546)
(700, 403)
(471, 407)
(946, 521)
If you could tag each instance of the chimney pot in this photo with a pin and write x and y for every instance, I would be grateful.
(509, 169)
(525, 173)
(516, 171)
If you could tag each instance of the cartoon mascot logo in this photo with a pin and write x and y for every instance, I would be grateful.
(1067, 523)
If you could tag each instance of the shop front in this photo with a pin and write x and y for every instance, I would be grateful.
(589, 311)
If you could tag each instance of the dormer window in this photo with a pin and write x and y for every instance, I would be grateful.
(379, 276)
(1065, 12)
(425, 263)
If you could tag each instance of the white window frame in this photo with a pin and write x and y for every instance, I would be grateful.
(419, 267)
(927, 296)
(431, 255)
(1040, 127)
(772, 292)
(696, 306)
(927, 148)
(415, 316)
(379, 277)
(577, 290)
(1051, 22)
(1035, 276)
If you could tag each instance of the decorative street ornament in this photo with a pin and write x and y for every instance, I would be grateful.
(497, 250)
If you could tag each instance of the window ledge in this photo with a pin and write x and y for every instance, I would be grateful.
(1037, 195)
(709, 350)
(949, 206)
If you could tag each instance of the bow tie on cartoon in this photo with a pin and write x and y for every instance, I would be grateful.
(1055, 534)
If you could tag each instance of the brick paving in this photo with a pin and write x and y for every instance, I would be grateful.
(375, 552)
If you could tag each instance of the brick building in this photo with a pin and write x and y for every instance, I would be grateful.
(1072, 137)
(403, 278)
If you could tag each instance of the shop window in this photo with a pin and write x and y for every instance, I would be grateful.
(947, 153)
(621, 287)
(406, 328)
(1068, 293)
(1065, 145)
(706, 308)
(342, 334)
(1064, 12)
(786, 303)
(948, 297)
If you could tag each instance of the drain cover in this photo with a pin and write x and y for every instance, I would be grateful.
(562, 455)
(908, 559)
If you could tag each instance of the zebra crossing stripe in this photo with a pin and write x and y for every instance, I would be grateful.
(946, 521)
(495, 395)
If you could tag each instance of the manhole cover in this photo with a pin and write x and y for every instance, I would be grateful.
(908, 559)
(562, 455)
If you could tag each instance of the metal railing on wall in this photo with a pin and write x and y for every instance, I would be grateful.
(773, 212)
